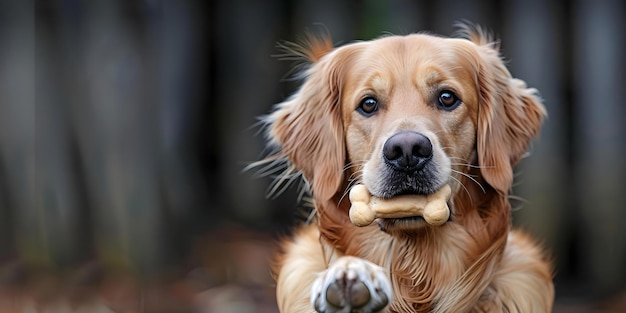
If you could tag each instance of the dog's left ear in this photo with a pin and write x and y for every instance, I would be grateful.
(509, 117)
(308, 127)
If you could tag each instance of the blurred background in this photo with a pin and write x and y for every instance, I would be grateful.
(125, 126)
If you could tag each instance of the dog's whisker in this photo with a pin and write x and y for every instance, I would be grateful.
(471, 166)
(519, 199)
(354, 178)
(446, 148)
(465, 162)
(351, 182)
(355, 175)
(467, 174)
(461, 184)
(353, 165)
(472, 179)
(345, 193)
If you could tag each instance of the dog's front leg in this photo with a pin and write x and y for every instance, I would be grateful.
(307, 283)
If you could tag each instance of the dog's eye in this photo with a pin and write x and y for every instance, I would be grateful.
(448, 100)
(368, 106)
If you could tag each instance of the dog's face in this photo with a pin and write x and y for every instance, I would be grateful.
(410, 116)
(406, 115)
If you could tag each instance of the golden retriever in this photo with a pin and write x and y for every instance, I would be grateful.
(406, 115)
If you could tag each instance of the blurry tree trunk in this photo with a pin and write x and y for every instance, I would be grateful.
(599, 140)
(17, 128)
(534, 42)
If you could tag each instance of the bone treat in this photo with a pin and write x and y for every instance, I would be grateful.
(366, 208)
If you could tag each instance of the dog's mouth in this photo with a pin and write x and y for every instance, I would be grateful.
(404, 213)
(404, 224)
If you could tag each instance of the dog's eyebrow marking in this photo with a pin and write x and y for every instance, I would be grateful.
(432, 76)
(378, 83)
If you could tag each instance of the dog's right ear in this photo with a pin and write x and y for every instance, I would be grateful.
(308, 127)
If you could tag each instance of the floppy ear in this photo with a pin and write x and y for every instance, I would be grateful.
(308, 127)
(509, 117)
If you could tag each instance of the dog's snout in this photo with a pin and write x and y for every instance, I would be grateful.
(407, 151)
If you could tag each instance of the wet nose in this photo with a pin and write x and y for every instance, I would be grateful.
(407, 151)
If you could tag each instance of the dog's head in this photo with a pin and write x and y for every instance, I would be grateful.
(406, 115)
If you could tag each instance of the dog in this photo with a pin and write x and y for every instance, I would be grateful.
(407, 115)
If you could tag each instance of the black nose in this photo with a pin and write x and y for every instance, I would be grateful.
(407, 151)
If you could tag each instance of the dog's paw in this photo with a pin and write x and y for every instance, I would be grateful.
(351, 285)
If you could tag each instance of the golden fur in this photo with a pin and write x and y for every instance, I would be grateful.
(474, 263)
